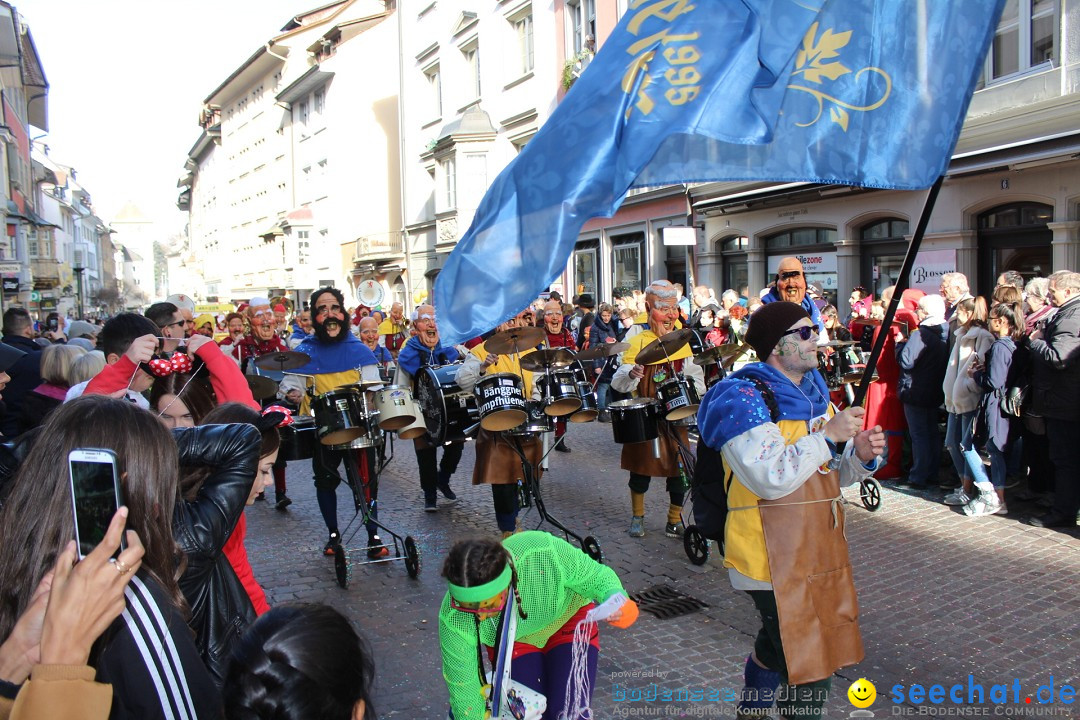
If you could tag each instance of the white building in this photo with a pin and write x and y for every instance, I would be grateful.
(135, 235)
(478, 81)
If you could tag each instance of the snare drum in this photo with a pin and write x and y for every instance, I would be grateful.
(298, 439)
(635, 420)
(589, 408)
(450, 412)
(339, 416)
(560, 392)
(679, 397)
(372, 436)
(415, 430)
(501, 401)
(395, 406)
(537, 422)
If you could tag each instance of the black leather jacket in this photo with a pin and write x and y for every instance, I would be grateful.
(220, 607)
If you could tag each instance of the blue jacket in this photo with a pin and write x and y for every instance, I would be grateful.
(415, 354)
(807, 303)
(349, 354)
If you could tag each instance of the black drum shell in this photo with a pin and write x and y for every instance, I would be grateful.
(500, 399)
(339, 416)
(635, 420)
(298, 440)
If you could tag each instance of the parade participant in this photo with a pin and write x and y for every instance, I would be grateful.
(497, 463)
(234, 327)
(263, 339)
(549, 586)
(281, 320)
(204, 325)
(337, 358)
(558, 335)
(394, 330)
(784, 539)
(640, 458)
(369, 335)
(791, 286)
(301, 328)
(424, 348)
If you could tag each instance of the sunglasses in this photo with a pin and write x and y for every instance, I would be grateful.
(174, 324)
(805, 332)
(790, 274)
(478, 610)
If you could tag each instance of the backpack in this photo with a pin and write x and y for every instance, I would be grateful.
(1014, 396)
(712, 478)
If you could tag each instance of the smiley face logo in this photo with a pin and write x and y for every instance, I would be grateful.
(862, 693)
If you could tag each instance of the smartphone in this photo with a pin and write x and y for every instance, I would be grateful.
(95, 495)
(54, 324)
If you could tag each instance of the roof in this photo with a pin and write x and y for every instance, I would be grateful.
(130, 213)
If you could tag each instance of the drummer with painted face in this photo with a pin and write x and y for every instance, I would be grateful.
(558, 335)
(263, 340)
(338, 359)
(422, 349)
(497, 463)
(641, 458)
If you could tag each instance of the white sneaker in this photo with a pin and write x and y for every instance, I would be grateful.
(957, 498)
(985, 504)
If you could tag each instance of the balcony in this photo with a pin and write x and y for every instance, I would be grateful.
(378, 248)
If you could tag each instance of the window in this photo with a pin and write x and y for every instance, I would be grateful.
(318, 101)
(801, 236)
(582, 24)
(524, 29)
(628, 263)
(1025, 37)
(434, 81)
(449, 166)
(730, 244)
(472, 75)
(302, 113)
(585, 272)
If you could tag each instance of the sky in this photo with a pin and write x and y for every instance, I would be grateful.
(126, 83)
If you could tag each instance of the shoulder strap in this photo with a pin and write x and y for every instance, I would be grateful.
(768, 396)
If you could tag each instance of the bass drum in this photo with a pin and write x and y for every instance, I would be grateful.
(450, 412)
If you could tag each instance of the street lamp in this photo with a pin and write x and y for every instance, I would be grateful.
(78, 270)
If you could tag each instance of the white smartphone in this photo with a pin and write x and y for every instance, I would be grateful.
(95, 495)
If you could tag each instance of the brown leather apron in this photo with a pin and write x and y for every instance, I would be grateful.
(812, 580)
(641, 457)
(497, 463)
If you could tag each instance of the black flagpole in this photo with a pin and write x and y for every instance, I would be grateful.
(901, 286)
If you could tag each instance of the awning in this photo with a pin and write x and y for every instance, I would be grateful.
(303, 85)
(36, 219)
(1046, 150)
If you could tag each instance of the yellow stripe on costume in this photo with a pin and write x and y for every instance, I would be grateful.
(326, 382)
(639, 341)
(507, 364)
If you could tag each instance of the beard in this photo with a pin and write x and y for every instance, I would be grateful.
(322, 327)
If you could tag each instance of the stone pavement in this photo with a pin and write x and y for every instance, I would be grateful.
(942, 596)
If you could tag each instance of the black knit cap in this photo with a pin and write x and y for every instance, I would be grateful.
(769, 322)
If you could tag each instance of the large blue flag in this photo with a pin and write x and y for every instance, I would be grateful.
(855, 92)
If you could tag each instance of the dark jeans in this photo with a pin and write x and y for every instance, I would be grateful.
(426, 461)
(1064, 440)
(793, 701)
(925, 444)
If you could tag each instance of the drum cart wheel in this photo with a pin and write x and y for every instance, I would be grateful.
(591, 547)
(696, 545)
(870, 494)
(412, 557)
(341, 565)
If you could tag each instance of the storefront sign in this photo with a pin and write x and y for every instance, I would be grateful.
(10, 267)
(813, 263)
(679, 235)
(11, 285)
(929, 266)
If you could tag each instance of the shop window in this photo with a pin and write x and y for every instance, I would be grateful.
(732, 244)
(586, 271)
(799, 237)
(1016, 215)
(885, 230)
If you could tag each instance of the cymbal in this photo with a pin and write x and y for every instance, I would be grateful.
(854, 377)
(288, 360)
(602, 351)
(837, 343)
(723, 353)
(513, 342)
(658, 350)
(367, 384)
(261, 387)
(547, 358)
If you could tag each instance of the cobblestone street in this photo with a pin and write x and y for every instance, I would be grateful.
(942, 596)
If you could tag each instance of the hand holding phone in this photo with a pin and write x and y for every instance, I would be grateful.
(53, 324)
(95, 495)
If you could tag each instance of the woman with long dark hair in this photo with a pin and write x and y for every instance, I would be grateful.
(148, 654)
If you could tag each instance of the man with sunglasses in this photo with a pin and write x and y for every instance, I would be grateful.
(641, 458)
(186, 306)
(791, 287)
(770, 435)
